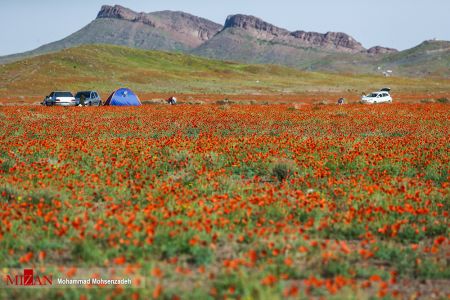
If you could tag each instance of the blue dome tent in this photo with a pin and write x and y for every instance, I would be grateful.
(123, 97)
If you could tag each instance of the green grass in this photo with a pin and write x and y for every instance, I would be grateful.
(106, 68)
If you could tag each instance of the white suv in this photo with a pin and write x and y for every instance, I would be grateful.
(378, 97)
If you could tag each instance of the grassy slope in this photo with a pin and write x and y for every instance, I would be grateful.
(105, 68)
(430, 57)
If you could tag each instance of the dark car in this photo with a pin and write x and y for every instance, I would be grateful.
(88, 98)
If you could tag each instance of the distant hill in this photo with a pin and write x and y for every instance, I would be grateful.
(252, 40)
(429, 58)
(249, 39)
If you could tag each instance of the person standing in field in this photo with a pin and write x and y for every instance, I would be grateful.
(82, 99)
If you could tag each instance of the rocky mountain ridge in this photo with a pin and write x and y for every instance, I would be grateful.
(338, 41)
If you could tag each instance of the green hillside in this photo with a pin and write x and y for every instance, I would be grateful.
(430, 58)
(105, 68)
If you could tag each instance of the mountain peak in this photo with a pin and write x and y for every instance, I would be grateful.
(123, 13)
(253, 23)
(116, 11)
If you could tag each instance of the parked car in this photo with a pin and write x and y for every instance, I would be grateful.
(60, 99)
(378, 97)
(89, 98)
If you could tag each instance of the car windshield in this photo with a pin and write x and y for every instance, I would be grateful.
(63, 94)
(373, 95)
(85, 94)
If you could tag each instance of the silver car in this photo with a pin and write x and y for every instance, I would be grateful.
(88, 98)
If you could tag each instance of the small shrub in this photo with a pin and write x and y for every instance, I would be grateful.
(45, 195)
(281, 171)
(193, 132)
(426, 101)
(321, 102)
(9, 193)
(341, 114)
(225, 101)
(334, 268)
(224, 107)
(195, 102)
(443, 100)
(6, 165)
(153, 101)
(86, 251)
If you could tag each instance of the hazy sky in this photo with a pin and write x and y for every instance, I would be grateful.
(402, 24)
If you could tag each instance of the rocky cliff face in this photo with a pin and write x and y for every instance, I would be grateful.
(260, 29)
(123, 13)
(185, 24)
(254, 24)
(187, 28)
(329, 40)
